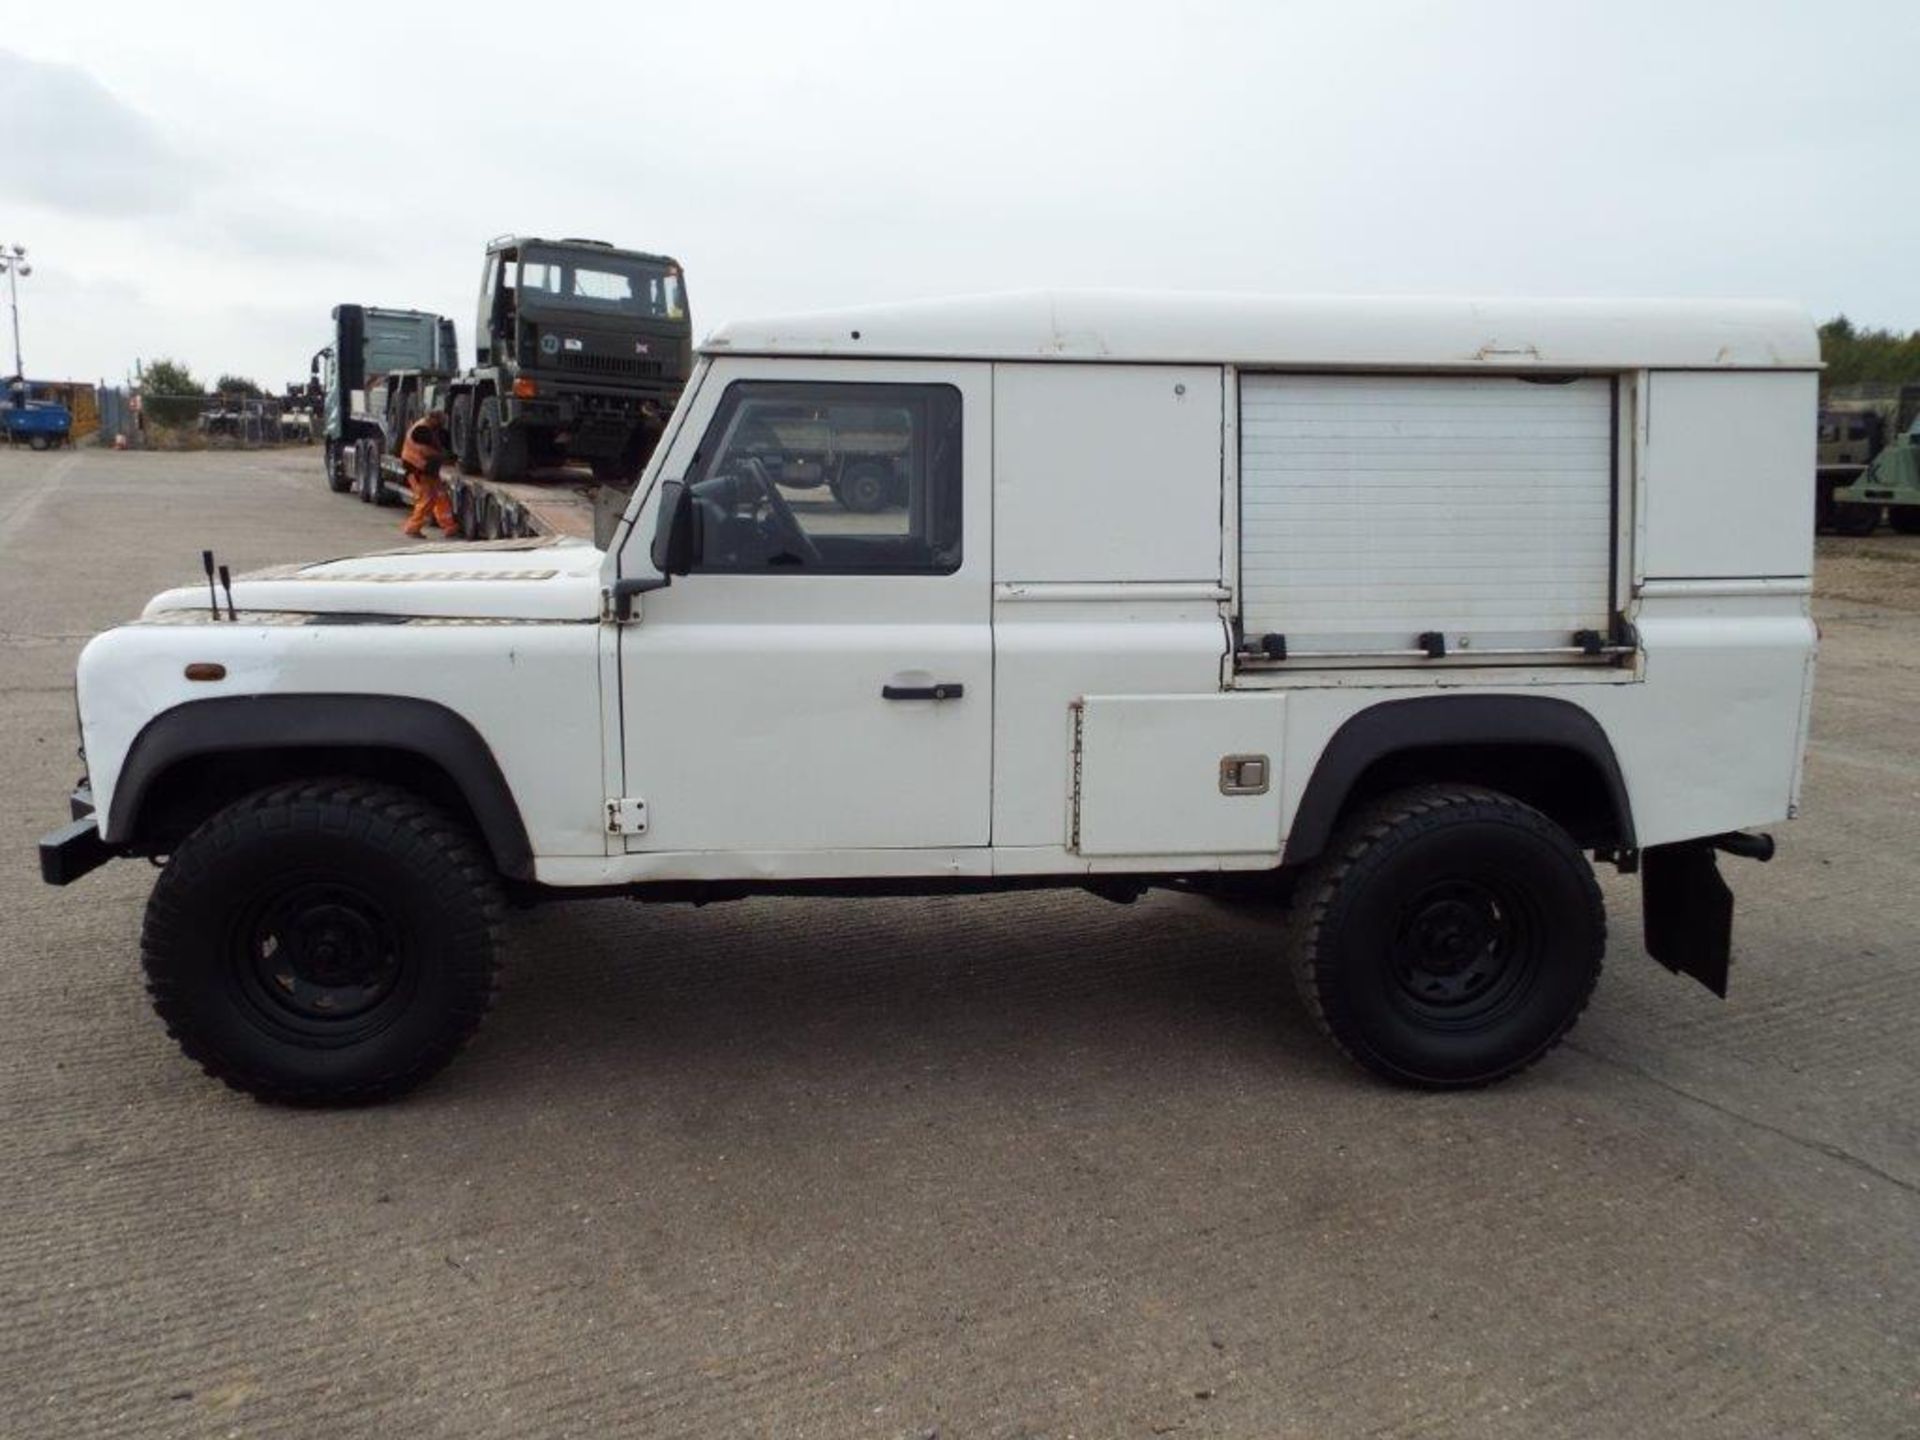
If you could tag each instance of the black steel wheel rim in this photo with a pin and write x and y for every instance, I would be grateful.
(866, 487)
(1465, 951)
(320, 956)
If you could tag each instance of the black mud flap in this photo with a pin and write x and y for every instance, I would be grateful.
(1689, 912)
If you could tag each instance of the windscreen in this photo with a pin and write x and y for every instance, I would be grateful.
(610, 284)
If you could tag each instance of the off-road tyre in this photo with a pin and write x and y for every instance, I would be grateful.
(864, 487)
(1449, 938)
(502, 448)
(1904, 518)
(338, 480)
(466, 444)
(327, 942)
(1850, 518)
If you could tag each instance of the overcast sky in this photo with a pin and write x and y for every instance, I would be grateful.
(207, 181)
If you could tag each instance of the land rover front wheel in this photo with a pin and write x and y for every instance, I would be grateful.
(326, 942)
(1450, 937)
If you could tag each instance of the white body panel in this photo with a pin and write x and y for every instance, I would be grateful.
(1075, 446)
(1150, 776)
(1727, 461)
(539, 579)
(1112, 448)
(531, 690)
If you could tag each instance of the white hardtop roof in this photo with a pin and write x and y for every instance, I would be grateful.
(1344, 332)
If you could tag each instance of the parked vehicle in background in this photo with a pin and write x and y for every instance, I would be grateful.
(36, 423)
(372, 376)
(1854, 431)
(1360, 606)
(1891, 481)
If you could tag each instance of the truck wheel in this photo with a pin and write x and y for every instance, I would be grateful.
(503, 449)
(338, 480)
(466, 450)
(864, 486)
(36, 442)
(1904, 518)
(1450, 938)
(369, 487)
(323, 943)
(1850, 518)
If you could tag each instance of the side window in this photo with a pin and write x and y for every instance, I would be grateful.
(840, 479)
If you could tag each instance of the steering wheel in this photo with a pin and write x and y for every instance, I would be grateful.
(782, 513)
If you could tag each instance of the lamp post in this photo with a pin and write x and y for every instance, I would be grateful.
(13, 264)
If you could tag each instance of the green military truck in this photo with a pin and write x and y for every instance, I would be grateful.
(581, 350)
(1865, 464)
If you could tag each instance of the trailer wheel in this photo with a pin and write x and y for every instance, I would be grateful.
(1904, 518)
(1450, 937)
(369, 453)
(466, 450)
(338, 480)
(864, 486)
(323, 943)
(1850, 518)
(503, 449)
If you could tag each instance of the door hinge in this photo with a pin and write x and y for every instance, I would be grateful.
(626, 817)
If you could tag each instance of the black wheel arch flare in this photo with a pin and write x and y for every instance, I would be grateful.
(398, 724)
(1401, 730)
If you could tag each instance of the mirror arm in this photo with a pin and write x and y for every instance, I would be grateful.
(625, 588)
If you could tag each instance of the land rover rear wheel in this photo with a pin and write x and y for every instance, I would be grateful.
(326, 942)
(1450, 937)
(1904, 518)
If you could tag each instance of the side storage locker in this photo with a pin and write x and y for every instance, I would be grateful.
(1390, 515)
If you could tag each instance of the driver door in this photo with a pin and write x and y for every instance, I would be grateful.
(823, 679)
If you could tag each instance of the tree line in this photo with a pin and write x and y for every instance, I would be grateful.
(1857, 355)
(172, 396)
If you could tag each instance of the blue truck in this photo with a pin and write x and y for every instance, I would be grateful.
(38, 424)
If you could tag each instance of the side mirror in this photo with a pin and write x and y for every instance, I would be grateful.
(676, 530)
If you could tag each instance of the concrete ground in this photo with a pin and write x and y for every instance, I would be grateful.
(1033, 1166)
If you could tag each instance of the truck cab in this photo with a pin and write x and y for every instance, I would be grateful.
(1396, 616)
(581, 350)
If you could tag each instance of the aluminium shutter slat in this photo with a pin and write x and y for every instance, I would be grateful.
(1373, 508)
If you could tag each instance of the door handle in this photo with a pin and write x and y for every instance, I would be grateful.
(938, 690)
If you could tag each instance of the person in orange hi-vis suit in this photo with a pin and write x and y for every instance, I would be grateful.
(422, 453)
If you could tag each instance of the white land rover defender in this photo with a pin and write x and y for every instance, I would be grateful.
(1395, 610)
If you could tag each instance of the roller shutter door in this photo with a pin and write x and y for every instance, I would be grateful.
(1375, 509)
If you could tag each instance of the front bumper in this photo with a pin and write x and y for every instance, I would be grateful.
(76, 847)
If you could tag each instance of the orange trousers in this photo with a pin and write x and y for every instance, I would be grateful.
(429, 502)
